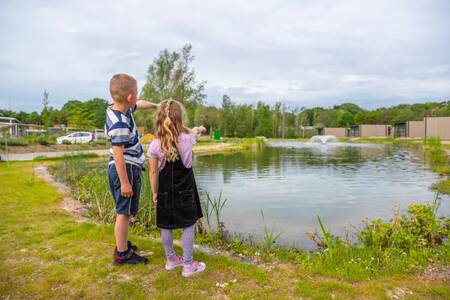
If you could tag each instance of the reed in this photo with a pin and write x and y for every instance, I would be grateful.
(270, 238)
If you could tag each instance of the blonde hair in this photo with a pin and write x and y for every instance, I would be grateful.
(170, 123)
(122, 85)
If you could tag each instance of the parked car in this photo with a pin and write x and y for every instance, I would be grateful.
(80, 137)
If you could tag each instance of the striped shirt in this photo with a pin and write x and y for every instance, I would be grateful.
(121, 130)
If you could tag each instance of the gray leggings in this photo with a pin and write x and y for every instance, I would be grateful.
(187, 242)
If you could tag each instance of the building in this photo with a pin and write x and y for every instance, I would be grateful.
(401, 129)
(10, 126)
(416, 129)
(429, 127)
(369, 130)
(339, 132)
(437, 127)
(353, 131)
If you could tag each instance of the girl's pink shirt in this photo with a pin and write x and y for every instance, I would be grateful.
(185, 144)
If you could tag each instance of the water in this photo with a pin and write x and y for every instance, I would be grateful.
(324, 139)
(293, 182)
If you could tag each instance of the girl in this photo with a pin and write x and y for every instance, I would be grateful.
(173, 184)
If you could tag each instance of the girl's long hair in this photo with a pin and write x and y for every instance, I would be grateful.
(170, 123)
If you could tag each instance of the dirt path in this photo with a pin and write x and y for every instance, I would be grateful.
(76, 209)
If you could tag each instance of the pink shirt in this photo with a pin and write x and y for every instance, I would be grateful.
(185, 143)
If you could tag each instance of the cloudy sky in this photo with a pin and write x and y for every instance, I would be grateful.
(305, 53)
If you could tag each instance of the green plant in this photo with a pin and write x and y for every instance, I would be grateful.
(207, 211)
(10, 141)
(217, 205)
(270, 237)
(42, 140)
(419, 227)
(330, 241)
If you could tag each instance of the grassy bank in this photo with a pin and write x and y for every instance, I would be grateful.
(46, 254)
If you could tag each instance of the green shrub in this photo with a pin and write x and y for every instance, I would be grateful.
(419, 227)
(12, 141)
(66, 142)
(442, 186)
(98, 142)
(42, 140)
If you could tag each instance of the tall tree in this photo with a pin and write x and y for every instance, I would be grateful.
(46, 111)
(171, 76)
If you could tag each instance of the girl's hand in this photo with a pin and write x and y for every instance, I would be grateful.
(155, 198)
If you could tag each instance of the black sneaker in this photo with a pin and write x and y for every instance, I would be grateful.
(132, 246)
(131, 258)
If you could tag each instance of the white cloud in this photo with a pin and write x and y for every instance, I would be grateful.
(302, 52)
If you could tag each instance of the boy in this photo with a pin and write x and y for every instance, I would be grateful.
(125, 162)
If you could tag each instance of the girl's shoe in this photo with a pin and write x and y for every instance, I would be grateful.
(173, 263)
(193, 268)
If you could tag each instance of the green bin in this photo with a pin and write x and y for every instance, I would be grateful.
(217, 135)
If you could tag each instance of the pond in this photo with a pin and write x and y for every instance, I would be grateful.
(293, 182)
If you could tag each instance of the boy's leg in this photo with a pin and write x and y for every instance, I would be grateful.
(188, 243)
(167, 240)
(121, 232)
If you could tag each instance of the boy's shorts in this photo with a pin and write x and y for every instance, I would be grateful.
(126, 205)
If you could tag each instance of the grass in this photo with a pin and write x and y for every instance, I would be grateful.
(226, 145)
(66, 157)
(46, 254)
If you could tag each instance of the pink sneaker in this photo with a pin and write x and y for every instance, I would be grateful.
(173, 263)
(193, 268)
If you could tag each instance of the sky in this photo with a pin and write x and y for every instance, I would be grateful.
(303, 53)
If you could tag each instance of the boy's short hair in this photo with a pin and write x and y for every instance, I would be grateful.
(121, 85)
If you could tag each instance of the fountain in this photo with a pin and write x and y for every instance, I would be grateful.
(323, 139)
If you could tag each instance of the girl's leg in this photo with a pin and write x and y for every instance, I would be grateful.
(167, 240)
(188, 243)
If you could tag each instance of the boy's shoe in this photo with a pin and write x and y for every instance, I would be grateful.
(193, 268)
(131, 258)
(132, 246)
(173, 263)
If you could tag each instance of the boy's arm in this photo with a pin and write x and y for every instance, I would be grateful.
(198, 130)
(142, 104)
(125, 187)
(153, 175)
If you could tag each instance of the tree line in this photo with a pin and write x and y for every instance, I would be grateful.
(171, 76)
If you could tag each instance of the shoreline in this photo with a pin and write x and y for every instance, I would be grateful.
(201, 148)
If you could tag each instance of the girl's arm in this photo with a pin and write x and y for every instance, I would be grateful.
(153, 175)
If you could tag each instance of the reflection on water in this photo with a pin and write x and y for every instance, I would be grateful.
(293, 182)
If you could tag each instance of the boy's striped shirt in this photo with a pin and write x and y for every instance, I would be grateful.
(121, 130)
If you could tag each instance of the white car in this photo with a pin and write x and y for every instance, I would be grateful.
(80, 137)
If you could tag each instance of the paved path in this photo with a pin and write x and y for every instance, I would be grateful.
(31, 156)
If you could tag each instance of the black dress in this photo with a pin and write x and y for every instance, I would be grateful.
(178, 203)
